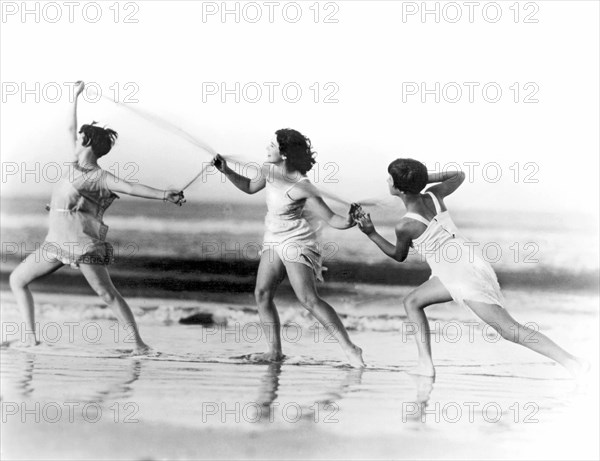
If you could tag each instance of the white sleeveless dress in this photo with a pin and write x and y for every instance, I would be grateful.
(464, 273)
(291, 231)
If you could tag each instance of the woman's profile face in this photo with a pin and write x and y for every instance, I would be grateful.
(390, 182)
(79, 147)
(273, 155)
(80, 139)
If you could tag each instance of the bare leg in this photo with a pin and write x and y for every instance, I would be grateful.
(271, 272)
(100, 281)
(510, 329)
(36, 265)
(431, 292)
(303, 282)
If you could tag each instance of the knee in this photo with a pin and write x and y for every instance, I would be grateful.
(263, 295)
(108, 296)
(16, 282)
(412, 304)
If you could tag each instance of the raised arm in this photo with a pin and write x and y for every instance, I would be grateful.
(404, 237)
(448, 181)
(241, 182)
(73, 124)
(139, 190)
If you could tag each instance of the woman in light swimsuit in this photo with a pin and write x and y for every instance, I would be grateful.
(290, 241)
(77, 234)
(465, 278)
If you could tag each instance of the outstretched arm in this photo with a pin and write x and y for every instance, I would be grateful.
(398, 252)
(241, 182)
(448, 181)
(306, 190)
(139, 190)
(73, 125)
(323, 211)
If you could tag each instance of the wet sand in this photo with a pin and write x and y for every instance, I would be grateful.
(82, 398)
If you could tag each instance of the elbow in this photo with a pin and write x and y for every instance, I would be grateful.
(341, 222)
(251, 188)
(400, 258)
(336, 224)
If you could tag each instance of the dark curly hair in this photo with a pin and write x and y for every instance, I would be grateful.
(297, 148)
(101, 139)
(409, 176)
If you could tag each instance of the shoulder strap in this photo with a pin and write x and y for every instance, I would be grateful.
(416, 217)
(436, 203)
(293, 185)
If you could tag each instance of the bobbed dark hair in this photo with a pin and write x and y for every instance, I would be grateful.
(409, 176)
(297, 148)
(100, 139)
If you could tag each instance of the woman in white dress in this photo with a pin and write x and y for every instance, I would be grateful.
(77, 233)
(456, 272)
(291, 239)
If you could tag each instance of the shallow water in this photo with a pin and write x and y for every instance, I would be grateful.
(195, 398)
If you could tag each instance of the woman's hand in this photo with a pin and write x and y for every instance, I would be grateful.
(365, 224)
(79, 87)
(174, 196)
(351, 218)
(219, 163)
(356, 211)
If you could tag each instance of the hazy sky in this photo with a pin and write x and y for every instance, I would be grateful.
(174, 58)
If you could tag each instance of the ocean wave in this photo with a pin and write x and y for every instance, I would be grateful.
(199, 236)
(147, 224)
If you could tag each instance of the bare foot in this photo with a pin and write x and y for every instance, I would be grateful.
(142, 349)
(266, 357)
(579, 368)
(423, 369)
(424, 387)
(355, 357)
